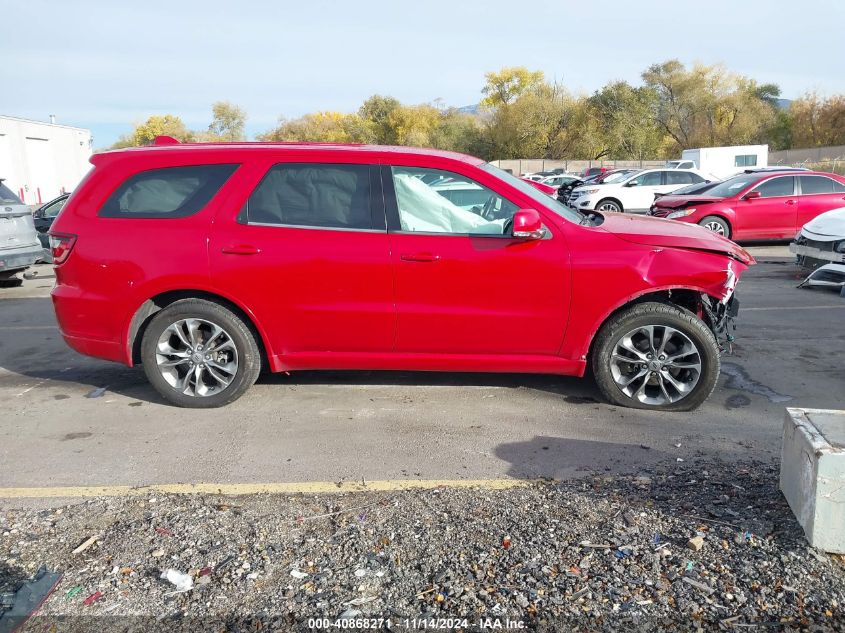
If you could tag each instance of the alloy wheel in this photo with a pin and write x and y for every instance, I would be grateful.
(655, 365)
(716, 227)
(196, 357)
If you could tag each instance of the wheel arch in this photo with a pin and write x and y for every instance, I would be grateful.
(155, 304)
(688, 299)
(722, 216)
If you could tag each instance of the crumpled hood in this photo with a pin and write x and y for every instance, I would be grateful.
(830, 224)
(669, 233)
(675, 202)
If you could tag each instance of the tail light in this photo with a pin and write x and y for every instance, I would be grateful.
(61, 244)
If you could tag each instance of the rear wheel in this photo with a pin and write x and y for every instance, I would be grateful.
(609, 206)
(716, 224)
(656, 356)
(199, 354)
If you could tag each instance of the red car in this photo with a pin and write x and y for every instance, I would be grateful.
(281, 257)
(757, 205)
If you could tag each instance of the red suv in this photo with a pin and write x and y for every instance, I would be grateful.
(281, 257)
(757, 205)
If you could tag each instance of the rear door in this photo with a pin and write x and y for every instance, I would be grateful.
(772, 215)
(308, 254)
(817, 195)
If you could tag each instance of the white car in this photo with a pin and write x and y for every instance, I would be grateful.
(634, 192)
(820, 244)
(558, 180)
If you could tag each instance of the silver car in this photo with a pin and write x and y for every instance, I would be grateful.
(19, 245)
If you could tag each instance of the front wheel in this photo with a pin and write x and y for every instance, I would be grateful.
(656, 356)
(198, 354)
(609, 206)
(716, 224)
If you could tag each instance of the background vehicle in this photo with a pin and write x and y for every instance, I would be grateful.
(326, 257)
(822, 240)
(757, 205)
(723, 162)
(565, 191)
(19, 245)
(559, 180)
(633, 192)
(593, 171)
(43, 219)
(689, 190)
(542, 187)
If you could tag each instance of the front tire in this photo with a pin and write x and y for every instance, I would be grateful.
(198, 354)
(656, 356)
(609, 206)
(717, 225)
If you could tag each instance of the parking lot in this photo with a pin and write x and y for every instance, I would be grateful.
(72, 421)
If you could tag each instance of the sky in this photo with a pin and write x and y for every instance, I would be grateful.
(107, 65)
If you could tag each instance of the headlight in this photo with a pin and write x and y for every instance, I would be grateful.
(681, 214)
(589, 190)
(839, 247)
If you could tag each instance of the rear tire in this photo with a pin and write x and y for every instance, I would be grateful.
(717, 225)
(187, 375)
(656, 356)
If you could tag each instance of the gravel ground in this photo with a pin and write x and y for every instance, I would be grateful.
(709, 546)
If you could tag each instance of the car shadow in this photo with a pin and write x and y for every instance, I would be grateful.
(31, 346)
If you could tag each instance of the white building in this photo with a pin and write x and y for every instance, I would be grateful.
(39, 161)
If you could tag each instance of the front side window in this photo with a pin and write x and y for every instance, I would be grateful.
(425, 203)
(650, 179)
(776, 187)
(171, 192)
(313, 195)
(816, 184)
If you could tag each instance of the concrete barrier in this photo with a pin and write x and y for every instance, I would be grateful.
(812, 474)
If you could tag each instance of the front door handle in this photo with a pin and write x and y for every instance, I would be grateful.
(241, 249)
(791, 202)
(420, 257)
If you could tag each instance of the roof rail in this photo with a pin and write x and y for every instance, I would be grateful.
(166, 140)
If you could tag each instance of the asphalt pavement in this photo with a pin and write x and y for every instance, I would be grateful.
(365, 426)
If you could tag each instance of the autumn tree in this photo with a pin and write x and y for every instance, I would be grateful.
(504, 86)
(376, 111)
(146, 132)
(228, 122)
(323, 127)
(622, 119)
(817, 120)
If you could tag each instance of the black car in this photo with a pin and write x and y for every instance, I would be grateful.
(43, 218)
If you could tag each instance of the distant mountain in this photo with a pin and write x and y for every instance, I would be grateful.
(784, 104)
(469, 109)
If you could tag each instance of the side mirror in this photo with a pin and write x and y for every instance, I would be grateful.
(528, 225)
(751, 195)
(631, 183)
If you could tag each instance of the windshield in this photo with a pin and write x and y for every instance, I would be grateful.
(7, 197)
(733, 186)
(615, 176)
(542, 199)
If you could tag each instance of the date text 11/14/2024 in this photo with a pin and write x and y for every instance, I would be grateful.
(416, 624)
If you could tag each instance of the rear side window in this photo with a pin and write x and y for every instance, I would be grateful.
(819, 184)
(7, 197)
(682, 178)
(313, 195)
(171, 192)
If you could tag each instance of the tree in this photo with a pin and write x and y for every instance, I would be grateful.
(622, 115)
(228, 122)
(146, 132)
(818, 120)
(376, 111)
(322, 127)
(507, 84)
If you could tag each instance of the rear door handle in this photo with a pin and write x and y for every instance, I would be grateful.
(420, 257)
(791, 202)
(241, 249)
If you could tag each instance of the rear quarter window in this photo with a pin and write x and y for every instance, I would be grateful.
(170, 192)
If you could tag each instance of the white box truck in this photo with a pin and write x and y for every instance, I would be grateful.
(723, 162)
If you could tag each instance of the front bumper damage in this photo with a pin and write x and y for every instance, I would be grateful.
(721, 313)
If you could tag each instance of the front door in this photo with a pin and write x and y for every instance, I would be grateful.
(463, 285)
(772, 215)
(308, 254)
(639, 195)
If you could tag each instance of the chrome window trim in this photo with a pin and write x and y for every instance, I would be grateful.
(315, 228)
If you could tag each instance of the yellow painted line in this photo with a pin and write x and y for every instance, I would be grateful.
(305, 487)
